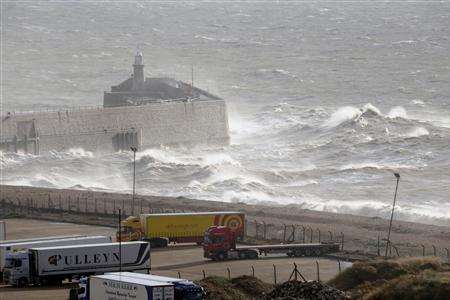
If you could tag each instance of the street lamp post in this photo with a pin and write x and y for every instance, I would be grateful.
(134, 149)
(397, 175)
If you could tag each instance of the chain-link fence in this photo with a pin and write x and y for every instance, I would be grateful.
(100, 209)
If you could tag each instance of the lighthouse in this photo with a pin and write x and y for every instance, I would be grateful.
(138, 72)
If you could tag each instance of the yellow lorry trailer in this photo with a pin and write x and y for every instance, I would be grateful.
(161, 229)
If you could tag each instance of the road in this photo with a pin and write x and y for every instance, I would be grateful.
(187, 260)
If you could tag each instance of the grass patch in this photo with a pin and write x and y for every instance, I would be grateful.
(382, 270)
(404, 278)
(430, 285)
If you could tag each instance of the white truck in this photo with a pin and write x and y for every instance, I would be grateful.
(55, 264)
(2, 230)
(117, 287)
(183, 288)
(42, 238)
(20, 245)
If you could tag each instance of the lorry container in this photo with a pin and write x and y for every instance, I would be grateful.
(117, 287)
(58, 241)
(183, 288)
(54, 264)
(160, 229)
(43, 238)
(2, 231)
(220, 244)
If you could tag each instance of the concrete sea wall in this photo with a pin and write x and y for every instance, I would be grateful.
(117, 128)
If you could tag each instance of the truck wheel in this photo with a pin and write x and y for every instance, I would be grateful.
(318, 252)
(73, 294)
(22, 282)
(252, 255)
(221, 256)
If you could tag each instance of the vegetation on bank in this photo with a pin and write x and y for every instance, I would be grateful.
(404, 278)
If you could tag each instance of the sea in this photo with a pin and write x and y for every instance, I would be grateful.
(326, 99)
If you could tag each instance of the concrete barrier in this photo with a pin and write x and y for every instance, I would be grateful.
(111, 129)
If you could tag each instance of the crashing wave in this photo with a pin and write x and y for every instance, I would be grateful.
(362, 115)
(417, 132)
(375, 166)
(397, 112)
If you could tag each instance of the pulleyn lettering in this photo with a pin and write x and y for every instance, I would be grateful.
(86, 259)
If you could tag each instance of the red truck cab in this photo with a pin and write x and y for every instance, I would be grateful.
(220, 244)
(218, 241)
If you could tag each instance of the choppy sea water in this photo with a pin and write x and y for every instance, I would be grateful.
(326, 99)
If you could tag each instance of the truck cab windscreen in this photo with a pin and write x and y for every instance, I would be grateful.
(214, 239)
(13, 263)
(127, 230)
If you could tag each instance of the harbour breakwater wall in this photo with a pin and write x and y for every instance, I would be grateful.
(117, 128)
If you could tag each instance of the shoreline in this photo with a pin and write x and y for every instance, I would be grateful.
(360, 232)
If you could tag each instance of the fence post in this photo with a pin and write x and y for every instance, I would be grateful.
(253, 271)
(264, 230)
(274, 274)
(378, 245)
(339, 265)
(204, 274)
(396, 250)
(312, 233)
(229, 273)
(179, 274)
(293, 233)
(318, 230)
(295, 273)
(423, 249)
(434, 250)
(318, 271)
(303, 234)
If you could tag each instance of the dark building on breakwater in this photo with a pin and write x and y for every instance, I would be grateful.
(139, 90)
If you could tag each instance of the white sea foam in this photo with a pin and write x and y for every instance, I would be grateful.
(219, 159)
(397, 112)
(418, 102)
(80, 152)
(417, 132)
(374, 165)
(343, 114)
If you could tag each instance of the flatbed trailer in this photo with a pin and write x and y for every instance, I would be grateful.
(220, 244)
(314, 249)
